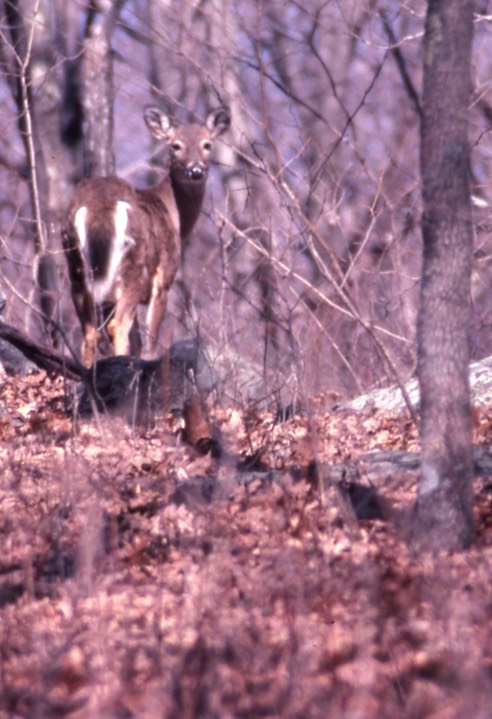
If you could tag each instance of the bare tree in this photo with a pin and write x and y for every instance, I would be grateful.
(28, 54)
(444, 508)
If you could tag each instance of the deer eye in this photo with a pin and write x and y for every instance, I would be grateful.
(207, 145)
(177, 146)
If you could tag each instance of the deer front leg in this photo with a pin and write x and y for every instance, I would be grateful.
(155, 314)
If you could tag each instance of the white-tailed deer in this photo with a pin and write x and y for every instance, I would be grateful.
(123, 245)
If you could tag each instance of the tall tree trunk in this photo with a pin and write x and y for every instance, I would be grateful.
(443, 517)
(98, 94)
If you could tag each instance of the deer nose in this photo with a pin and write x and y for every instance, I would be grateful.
(196, 171)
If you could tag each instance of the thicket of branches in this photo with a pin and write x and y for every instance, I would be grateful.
(302, 275)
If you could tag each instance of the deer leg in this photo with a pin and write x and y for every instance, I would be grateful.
(90, 339)
(135, 339)
(120, 326)
(82, 299)
(86, 312)
(155, 314)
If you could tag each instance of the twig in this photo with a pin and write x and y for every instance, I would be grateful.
(349, 311)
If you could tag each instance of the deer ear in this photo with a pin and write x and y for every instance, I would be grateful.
(218, 121)
(158, 122)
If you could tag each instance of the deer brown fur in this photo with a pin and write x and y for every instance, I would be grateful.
(123, 245)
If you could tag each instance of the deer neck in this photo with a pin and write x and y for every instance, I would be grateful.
(164, 191)
(182, 202)
(188, 199)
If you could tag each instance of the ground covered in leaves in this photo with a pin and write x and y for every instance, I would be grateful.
(139, 578)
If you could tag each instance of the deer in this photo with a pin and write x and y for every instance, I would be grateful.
(123, 245)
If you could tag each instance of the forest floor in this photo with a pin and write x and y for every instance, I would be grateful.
(139, 578)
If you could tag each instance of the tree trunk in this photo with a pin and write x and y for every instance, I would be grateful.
(443, 516)
(98, 94)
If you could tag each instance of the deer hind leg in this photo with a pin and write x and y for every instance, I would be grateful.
(120, 326)
(117, 329)
(86, 311)
(135, 341)
(82, 298)
(155, 314)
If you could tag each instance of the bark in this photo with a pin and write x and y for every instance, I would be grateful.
(443, 514)
(98, 94)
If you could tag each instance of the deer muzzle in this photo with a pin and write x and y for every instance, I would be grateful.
(196, 172)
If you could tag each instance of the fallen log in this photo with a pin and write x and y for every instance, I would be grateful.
(45, 358)
(176, 382)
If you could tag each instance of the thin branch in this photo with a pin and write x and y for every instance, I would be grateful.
(349, 311)
(24, 102)
(400, 62)
(348, 122)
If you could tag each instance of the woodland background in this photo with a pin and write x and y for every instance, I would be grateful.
(309, 248)
(140, 577)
